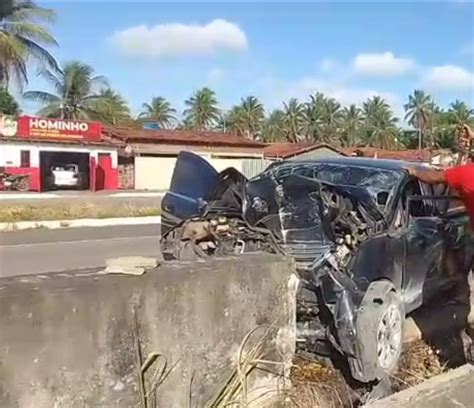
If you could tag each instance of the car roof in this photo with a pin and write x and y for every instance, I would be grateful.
(383, 164)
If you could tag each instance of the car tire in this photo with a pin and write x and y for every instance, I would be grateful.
(379, 326)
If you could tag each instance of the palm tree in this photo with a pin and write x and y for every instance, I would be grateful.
(274, 127)
(383, 131)
(247, 118)
(159, 111)
(23, 37)
(76, 92)
(201, 109)
(314, 115)
(380, 125)
(230, 121)
(111, 108)
(331, 121)
(461, 114)
(294, 119)
(372, 107)
(446, 139)
(418, 112)
(351, 125)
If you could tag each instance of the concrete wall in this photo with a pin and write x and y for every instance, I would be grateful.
(155, 172)
(320, 153)
(67, 340)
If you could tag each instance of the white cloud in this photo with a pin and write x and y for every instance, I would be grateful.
(175, 39)
(275, 91)
(449, 78)
(328, 65)
(382, 64)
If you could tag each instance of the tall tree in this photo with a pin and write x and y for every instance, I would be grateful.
(111, 108)
(201, 109)
(372, 107)
(314, 115)
(274, 127)
(418, 113)
(8, 104)
(159, 111)
(23, 38)
(331, 121)
(461, 114)
(76, 90)
(380, 125)
(247, 118)
(294, 118)
(351, 125)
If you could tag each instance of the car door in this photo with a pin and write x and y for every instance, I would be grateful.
(428, 238)
(192, 185)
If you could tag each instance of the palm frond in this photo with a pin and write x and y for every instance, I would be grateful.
(41, 96)
(39, 53)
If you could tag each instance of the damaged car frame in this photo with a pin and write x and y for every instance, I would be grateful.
(371, 244)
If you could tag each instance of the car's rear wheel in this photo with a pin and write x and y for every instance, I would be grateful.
(379, 333)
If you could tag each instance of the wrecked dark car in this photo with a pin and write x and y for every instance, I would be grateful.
(371, 244)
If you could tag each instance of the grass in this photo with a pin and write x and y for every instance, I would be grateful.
(317, 386)
(418, 363)
(73, 211)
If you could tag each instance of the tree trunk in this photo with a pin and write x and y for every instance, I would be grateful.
(420, 138)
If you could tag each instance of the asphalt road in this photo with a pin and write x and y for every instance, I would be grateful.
(41, 250)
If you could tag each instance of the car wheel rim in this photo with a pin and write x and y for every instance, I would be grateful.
(389, 337)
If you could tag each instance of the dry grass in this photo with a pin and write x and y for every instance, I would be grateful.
(72, 211)
(418, 363)
(315, 386)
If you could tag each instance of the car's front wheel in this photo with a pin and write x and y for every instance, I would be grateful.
(379, 333)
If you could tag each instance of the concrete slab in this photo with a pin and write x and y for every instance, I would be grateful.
(82, 339)
(453, 389)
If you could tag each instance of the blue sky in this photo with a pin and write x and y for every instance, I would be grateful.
(349, 50)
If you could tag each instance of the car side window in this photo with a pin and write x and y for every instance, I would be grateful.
(417, 208)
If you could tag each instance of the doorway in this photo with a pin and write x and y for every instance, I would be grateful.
(64, 171)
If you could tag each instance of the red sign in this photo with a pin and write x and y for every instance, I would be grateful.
(32, 127)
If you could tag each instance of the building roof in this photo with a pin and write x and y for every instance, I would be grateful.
(178, 137)
(405, 155)
(288, 150)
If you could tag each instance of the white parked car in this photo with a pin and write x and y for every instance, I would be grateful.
(66, 175)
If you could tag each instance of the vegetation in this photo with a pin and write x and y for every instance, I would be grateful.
(202, 111)
(78, 93)
(24, 38)
(111, 108)
(69, 211)
(158, 111)
(8, 104)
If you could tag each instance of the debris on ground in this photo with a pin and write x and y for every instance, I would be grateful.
(130, 265)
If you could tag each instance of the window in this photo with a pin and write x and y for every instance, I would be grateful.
(25, 158)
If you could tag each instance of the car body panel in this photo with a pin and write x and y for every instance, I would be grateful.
(347, 222)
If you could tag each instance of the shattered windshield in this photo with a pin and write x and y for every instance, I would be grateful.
(373, 179)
